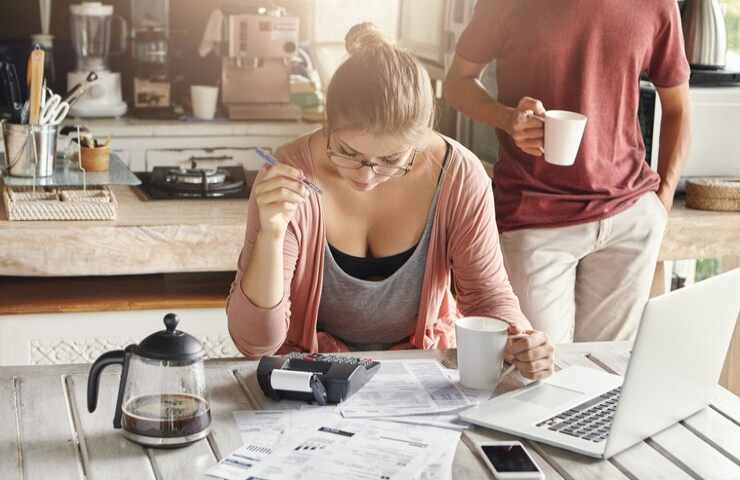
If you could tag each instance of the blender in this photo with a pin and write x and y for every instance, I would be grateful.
(90, 26)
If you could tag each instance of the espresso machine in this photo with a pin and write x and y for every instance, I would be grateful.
(90, 27)
(150, 51)
(255, 70)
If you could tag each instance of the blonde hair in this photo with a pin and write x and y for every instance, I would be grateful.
(380, 88)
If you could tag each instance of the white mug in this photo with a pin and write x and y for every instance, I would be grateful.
(481, 342)
(204, 100)
(563, 134)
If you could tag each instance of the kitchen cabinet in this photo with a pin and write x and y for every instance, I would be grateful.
(80, 337)
(45, 321)
(142, 144)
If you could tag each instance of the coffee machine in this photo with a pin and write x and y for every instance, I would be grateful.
(150, 52)
(90, 27)
(255, 70)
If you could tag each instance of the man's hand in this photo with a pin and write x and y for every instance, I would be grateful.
(527, 131)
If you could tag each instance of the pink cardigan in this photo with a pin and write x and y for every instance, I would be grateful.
(464, 249)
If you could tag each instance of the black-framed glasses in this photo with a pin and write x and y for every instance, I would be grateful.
(355, 162)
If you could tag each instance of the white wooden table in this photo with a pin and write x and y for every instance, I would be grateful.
(46, 431)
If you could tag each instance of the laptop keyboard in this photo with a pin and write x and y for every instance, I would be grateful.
(590, 420)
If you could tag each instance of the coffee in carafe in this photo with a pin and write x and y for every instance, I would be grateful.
(162, 397)
(168, 415)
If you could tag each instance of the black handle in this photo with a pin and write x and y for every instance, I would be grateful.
(115, 357)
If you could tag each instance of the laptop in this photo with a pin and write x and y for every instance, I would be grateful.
(673, 371)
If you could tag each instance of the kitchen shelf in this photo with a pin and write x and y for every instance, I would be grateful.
(65, 175)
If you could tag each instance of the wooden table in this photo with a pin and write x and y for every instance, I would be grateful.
(48, 433)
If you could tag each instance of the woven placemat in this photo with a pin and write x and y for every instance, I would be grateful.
(716, 193)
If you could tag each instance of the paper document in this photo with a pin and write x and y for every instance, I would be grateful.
(319, 443)
(406, 388)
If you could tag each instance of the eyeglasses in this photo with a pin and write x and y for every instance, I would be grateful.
(355, 162)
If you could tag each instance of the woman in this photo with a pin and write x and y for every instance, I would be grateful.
(405, 215)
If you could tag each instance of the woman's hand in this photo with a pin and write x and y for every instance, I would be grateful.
(527, 131)
(278, 192)
(531, 352)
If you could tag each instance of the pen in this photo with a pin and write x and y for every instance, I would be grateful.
(272, 161)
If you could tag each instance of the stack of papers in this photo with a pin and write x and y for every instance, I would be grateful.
(321, 444)
(403, 423)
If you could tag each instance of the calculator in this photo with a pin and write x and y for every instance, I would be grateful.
(314, 377)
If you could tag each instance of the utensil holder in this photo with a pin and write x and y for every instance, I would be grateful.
(30, 150)
(95, 159)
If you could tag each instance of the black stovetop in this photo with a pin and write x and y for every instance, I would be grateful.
(237, 185)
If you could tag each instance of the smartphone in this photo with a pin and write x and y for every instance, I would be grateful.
(509, 461)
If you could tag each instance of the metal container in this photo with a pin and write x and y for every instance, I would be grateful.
(705, 34)
(30, 150)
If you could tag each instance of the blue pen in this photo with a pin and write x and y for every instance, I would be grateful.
(272, 161)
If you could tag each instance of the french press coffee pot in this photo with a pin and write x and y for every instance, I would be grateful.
(162, 398)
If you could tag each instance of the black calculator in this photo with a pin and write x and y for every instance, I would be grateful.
(314, 377)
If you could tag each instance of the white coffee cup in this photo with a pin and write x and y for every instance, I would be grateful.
(563, 134)
(481, 342)
(204, 100)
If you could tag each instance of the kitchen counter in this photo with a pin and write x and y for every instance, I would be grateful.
(207, 236)
(138, 127)
(147, 237)
(75, 444)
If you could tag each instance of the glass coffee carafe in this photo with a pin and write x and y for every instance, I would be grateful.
(162, 397)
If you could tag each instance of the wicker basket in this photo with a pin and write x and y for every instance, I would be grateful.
(63, 203)
(721, 194)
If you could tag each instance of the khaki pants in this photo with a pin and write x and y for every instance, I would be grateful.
(587, 282)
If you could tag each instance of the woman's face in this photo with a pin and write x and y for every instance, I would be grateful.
(366, 160)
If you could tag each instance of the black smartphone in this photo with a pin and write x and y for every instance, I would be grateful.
(510, 461)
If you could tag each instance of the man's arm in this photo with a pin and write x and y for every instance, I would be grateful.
(464, 92)
(675, 133)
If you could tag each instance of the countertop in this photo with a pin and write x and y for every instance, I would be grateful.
(147, 237)
(176, 236)
(138, 127)
(75, 444)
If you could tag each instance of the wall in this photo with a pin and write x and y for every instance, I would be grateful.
(20, 18)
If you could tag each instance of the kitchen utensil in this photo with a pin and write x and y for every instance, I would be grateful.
(45, 13)
(91, 27)
(23, 115)
(12, 88)
(30, 149)
(162, 398)
(78, 90)
(273, 161)
(95, 159)
(54, 110)
(35, 80)
(705, 34)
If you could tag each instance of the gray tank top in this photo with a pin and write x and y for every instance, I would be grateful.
(374, 315)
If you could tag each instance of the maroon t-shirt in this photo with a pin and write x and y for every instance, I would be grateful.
(584, 56)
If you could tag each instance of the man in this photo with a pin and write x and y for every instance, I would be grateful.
(580, 242)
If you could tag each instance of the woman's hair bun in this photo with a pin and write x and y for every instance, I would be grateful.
(363, 37)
